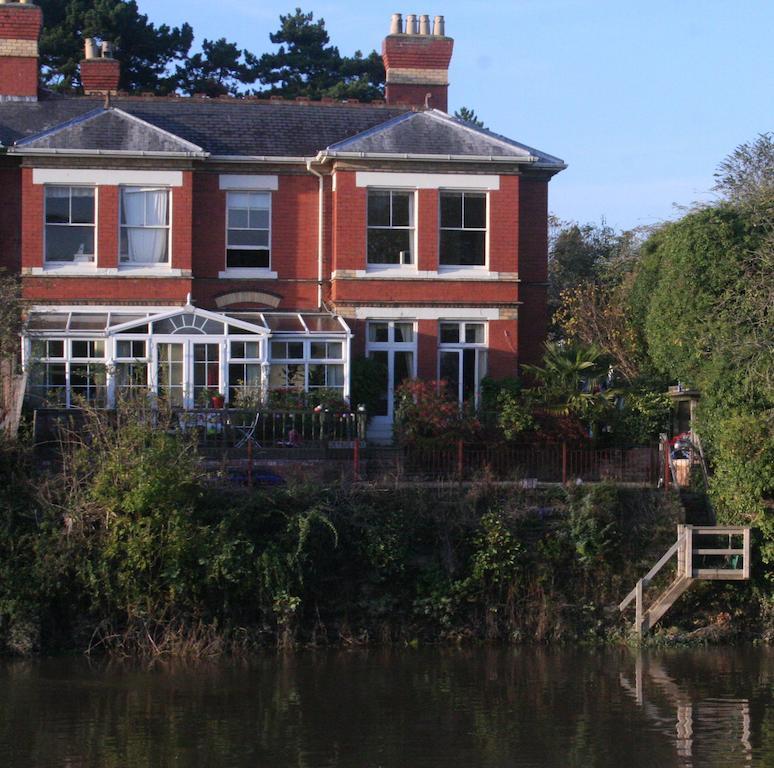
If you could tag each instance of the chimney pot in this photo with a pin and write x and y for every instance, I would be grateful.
(90, 48)
(396, 25)
(424, 24)
(107, 49)
(411, 24)
(439, 26)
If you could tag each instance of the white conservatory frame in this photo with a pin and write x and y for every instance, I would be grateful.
(188, 325)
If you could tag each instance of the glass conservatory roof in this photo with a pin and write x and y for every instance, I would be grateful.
(180, 320)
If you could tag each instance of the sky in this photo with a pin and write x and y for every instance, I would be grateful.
(641, 98)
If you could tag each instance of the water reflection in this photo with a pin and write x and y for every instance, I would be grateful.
(717, 725)
(397, 709)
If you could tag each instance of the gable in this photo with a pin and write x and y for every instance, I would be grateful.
(109, 130)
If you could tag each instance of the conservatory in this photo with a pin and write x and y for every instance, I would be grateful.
(185, 355)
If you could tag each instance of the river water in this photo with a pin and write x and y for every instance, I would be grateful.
(404, 708)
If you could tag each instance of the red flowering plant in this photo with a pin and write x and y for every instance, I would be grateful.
(426, 413)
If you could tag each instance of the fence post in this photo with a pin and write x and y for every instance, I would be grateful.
(746, 555)
(356, 459)
(564, 463)
(460, 458)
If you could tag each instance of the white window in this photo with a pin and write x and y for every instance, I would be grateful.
(462, 229)
(48, 370)
(131, 366)
(462, 358)
(390, 227)
(244, 372)
(69, 224)
(307, 365)
(248, 237)
(145, 225)
(88, 374)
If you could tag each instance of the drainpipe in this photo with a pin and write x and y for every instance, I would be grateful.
(320, 230)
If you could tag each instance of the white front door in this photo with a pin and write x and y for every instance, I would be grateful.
(393, 345)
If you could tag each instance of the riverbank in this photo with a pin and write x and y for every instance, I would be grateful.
(128, 549)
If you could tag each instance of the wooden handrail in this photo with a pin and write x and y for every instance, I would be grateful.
(648, 577)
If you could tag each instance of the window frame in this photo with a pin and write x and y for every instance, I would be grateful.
(128, 263)
(228, 268)
(60, 263)
(306, 361)
(481, 349)
(485, 229)
(411, 228)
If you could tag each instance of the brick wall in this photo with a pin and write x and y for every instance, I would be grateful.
(182, 215)
(106, 290)
(31, 221)
(349, 223)
(100, 75)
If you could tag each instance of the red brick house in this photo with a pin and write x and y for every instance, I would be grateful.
(241, 245)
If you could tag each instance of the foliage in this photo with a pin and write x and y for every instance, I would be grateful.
(146, 51)
(640, 417)
(491, 389)
(368, 376)
(307, 65)
(469, 116)
(593, 526)
(746, 177)
(220, 69)
(425, 411)
(597, 313)
(514, 414)
(10, 316)
(742, 486)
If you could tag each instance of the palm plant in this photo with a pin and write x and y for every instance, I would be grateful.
(572, 381)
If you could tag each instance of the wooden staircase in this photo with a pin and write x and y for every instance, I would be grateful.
(715, 560)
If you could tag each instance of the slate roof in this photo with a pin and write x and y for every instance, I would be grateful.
(218, 126)
(110, 130)
(435, 133)
(247, 128)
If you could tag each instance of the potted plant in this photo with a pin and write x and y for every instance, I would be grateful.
(218, 400)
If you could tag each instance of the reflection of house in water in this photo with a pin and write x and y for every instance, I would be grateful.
(698, 725)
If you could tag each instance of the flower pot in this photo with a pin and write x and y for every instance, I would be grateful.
(218, 401)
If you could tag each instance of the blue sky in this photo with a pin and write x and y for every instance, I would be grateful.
(642, 98)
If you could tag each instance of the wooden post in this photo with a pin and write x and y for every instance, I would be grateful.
(460, 458)
(746, 555)
(356, 459)
(638, 607)
(564, 463)
(688, 551)
(249, 463)
(667, 478)
(680, 552)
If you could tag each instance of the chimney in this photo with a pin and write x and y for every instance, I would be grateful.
(417, 62)
(20, 25)
(99, 73)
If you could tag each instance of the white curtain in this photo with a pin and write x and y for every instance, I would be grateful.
(145, 216)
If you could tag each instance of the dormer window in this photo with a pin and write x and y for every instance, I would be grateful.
(144, 225)
(69, 224)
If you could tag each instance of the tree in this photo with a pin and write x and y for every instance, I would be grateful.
(469, 116)
(306, 65)
(746, 177)
(146, 51)
(218, 70)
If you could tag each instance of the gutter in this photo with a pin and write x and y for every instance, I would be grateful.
(260, 159)
(320, 230)
(333, 154)
(103, 153)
